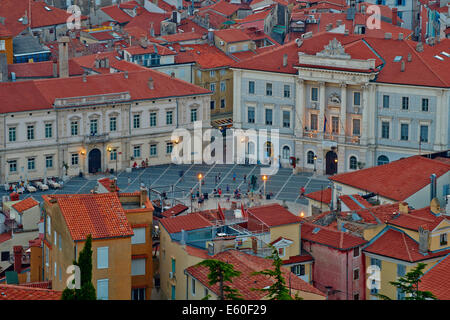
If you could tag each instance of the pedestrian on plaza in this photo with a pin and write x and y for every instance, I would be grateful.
(234, 177)
(129, 180)
(146, 162)
(181, 173)
(245, 178)
(228, 188)
(215, 178)
(220, 192)
(220, 175)
(302, 192)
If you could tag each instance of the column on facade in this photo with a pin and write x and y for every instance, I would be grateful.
(343, 110)
(365, 115)
(322, 106)
(300, 105)
(237, 95)
(439, 118)
(371, 106)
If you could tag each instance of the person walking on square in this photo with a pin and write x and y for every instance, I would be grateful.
(302, 192)
(234, 177)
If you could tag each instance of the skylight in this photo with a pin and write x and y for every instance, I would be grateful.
(47, 8)
(445, 54)
(398, 59)
(316, 230)
(439, 57)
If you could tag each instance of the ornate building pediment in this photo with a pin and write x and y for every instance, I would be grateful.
(333, 50)
(334, 99)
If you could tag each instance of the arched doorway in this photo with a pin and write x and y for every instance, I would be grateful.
(95, 161)
(331, 160)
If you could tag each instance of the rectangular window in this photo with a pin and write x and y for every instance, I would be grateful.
(356, 127)
(401, 270)
(286, 119)
(315, 94)
(102, 289)
(375, 262)
(74, 128)
(356, 274)
(299, 270)
(212, 73)
(112, 124)
(113, 155)
(199, 74)
(152, 119)
(136, 121)
(30, 132)
(222, 103)
(193, 286)
(12, 134)
(400, 294)
(385, 101)
(385, 130)
(138, 267)
(74, 159)
(173, 266)
(222, 72)
(137, 151)
(287, 91)
(356, 98)
(443, 239)
(356, 296)
(102, 258)
(94, 127)
(48, 130)
(212, 104)
(313, 122)
(423, 133)
(268, 89)
(405, 103)
(425, 105)
(335, 125)
(251, 87)
(169, 117)
(251, 114)
(356, 252)
(31, 164)
(138, 294)
(404, 131)
(212, 87)
(49, 225)
(59, 242)
(153, 150)
(193, 115)
(169, 147)
(49, 161)
(13, 166)
(139, 236)
(269, 117)
(223, 86)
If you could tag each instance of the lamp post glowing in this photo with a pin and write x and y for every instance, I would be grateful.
(315, 158)
(200, 177)
(264, 178)
(110, 150)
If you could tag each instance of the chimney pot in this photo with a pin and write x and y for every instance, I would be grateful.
(409, 57)
(125, 74)
(285, 60)
(84, 78)
(150, 83)
(18, 253)
(402, 68)
(394, 16)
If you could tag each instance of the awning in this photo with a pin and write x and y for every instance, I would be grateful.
(227, 122)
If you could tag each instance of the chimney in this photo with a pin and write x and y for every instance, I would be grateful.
(329, 27)
(409, 57)
(346, 32)
(18, 254)
(84, 77)
(55, 68)
(432, 186)
(150, 83)
(125, 74)
(400, 36)
(419, 47)
(338, 23)
(403, 207)
(388, 35)
(402, 67)
(172, 74)
(63, 43)
(4, 68)
(143, 196)
(106, 62)
(285, 60)
(152, 30)
(423, 239)
(394, 16)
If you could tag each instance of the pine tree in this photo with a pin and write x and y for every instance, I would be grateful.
(278, 290)
(409, 284)
(219, 272)
(87, 290)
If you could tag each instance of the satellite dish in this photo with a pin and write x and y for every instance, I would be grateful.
(435, 206)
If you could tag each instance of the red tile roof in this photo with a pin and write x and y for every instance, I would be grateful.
(376, 214)
(145, 19)
(417, 218)
(232, 35)
(42, 69)
(206, 56)
(13, 292)
(41, 94)
(187, 25)
(437, 280)
(182, 36)
(175, 210)
(225, 8)
(298, 259)
(247, 264)
(117, 14)
(100, 215)
(42, 285)
(273, 215)
(187, 222)
(397, 180)
(355, 202)
(5, 237)
(25, 204)
(323, 196)
(397, 244)
(330, 237)
(196, 252)
(151, 48)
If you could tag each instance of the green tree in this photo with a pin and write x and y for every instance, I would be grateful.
(278, 290)
(219, 272)
(87, 290)
(409, 284)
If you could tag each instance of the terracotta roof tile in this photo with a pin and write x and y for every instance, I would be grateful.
(355, 202)
(174, 211)
(323, 196)
(100, 215)
(437, 280)
(397, 180)
(330, 237)
(232, 35)
(25, 204)
(187, 222)
(247, 264)
(13, 292)
(273, 215)
(417, 218)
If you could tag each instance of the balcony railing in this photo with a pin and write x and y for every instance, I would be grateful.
(97, 138)
(91, 100)
(316, 135)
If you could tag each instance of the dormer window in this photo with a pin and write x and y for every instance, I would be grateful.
(443, 238)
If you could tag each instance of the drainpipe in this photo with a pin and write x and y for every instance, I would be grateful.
(176, 101)
(187, 285)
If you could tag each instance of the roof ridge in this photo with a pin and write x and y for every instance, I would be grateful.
(407, 248)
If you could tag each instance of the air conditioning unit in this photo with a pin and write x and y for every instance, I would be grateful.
(171, 275)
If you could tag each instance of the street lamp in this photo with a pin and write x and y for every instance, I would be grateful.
(200, 177)
(110, 150)
(315, 158)
(264, 178)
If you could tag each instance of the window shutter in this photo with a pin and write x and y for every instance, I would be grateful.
(102, 258)
(102, 289)
(138, 267)
(139, 236)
